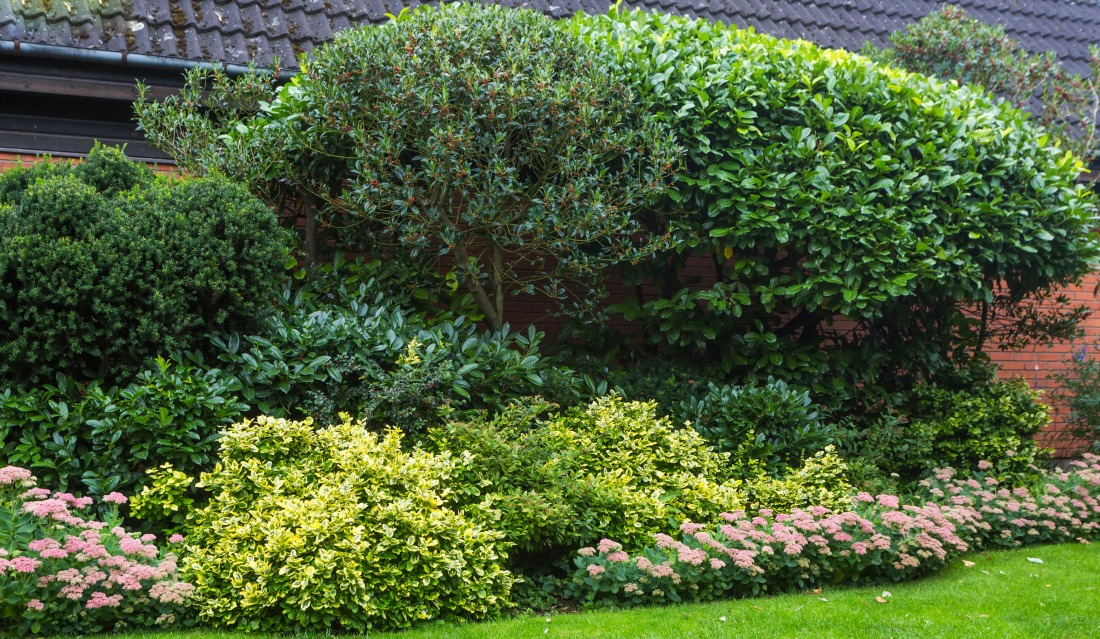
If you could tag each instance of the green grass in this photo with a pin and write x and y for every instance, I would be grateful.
(1003, 595)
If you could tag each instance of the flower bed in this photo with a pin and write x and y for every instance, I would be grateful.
(881, 539)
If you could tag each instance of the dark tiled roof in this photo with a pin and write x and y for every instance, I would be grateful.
(258, 30)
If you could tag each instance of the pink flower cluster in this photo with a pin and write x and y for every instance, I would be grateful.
(1066, 509)
(71, 569)
(13, 475)
(882, 539)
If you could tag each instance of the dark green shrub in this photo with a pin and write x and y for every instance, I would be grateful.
(871, 446)
(332, 348)
(773, 424)
(867, 227)
(93, 439)
(478, 132)
(959, 420)
(95, 280)
(655, 379)
(16, 179)
(336, 529)
(109, 171)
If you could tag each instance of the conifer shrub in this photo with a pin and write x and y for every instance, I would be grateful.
(102, 267)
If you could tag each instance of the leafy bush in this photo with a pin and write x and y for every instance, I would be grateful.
(963, 416)
(336, 529)
(871, 446)
(94, 439)
(655, 379)
(1079, 387)
(15, 180)
(997, 419)
(332, 348)
(866, 226)
(102, 268)
(950, 45)
(821, 480)
(772, 424)
(165, 501)
(62, 572)
(480, 133)
(566, 479)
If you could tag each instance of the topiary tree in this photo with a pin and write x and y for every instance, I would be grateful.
(479, 134)
(861, 225)
(102, 268)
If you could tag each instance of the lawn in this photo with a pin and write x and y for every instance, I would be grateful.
(1002, 595)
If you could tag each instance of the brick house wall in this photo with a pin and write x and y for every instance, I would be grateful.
(8, 160)
(1036, 365)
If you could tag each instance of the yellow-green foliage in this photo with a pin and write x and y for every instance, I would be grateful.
(674, 465)
(164, 502)
(996, 421)
(820, 481)
(612, 469)
(336, 529)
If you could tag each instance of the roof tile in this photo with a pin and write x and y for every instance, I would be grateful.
(238, 31)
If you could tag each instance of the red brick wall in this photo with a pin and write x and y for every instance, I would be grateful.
(9, 160)
(1036, 364)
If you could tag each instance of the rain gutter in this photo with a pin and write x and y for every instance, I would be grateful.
(124, 58)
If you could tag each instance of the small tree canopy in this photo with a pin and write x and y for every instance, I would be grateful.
(950, 45)
(481, 133)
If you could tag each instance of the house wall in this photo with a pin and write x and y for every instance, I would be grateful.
(1036, 364)
(10, 160)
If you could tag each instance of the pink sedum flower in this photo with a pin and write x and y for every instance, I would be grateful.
(889, 501)
(102, 600)
(36, 493)
(10, 475)
(115, 498)
(24, 564)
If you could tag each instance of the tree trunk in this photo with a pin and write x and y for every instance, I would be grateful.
(309, 211)
(485, 303)
(496, 281)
